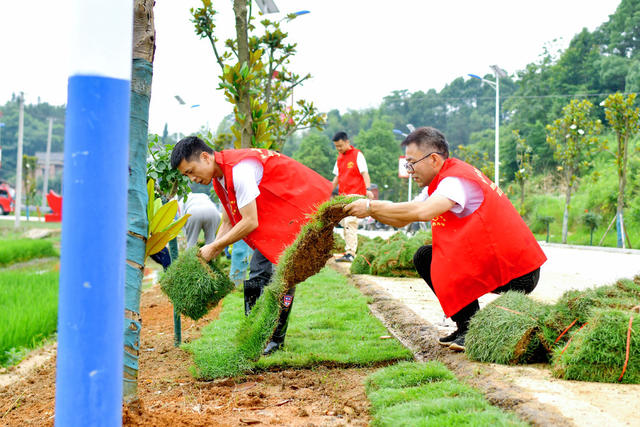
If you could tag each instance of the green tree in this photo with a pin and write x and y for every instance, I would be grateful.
(525, 166)
(382, 150)
(574, 140)
(476, 157)
(624, 119)
(256, 80)
(316, 152)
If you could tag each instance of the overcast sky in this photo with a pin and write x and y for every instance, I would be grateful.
(358, 51)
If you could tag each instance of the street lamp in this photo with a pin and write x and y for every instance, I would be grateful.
(404, 135)
(498, 72)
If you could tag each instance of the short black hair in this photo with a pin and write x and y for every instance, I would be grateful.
(428, 139)
(340, 136)
(189, 149)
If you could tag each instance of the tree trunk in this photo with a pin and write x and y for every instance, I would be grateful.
(622, 182)
(244, 104)
(143, 53)
(565, 217)
(522, 197)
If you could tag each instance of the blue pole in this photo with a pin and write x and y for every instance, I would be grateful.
(94, 224)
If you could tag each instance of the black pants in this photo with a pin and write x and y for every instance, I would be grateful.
(260, 272)
(526, 283)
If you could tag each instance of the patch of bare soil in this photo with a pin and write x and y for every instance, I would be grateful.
(528, 390)
(169, 395)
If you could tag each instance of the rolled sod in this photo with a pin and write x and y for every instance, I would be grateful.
(193, 285)
(597, 352)
(508, 331)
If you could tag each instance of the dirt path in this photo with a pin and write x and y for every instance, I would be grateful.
(413, 314)
(169, 395)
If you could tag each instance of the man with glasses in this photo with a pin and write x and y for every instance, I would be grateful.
(480, 242)
(266, 196)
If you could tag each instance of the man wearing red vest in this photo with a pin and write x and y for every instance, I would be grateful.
(351, 177)
(480, 242)
(266, 196)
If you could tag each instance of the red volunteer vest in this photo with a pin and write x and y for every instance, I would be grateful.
(350, 178)
(478, 253)
(289, 193)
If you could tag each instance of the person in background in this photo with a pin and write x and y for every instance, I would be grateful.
(266, 197)
(480, 242)
(204, 217)
(351, 177)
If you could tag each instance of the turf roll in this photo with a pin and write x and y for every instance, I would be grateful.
(508, 331)
(598, 350)
(193, 285)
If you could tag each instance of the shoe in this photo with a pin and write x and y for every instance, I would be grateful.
(458, 343)
(345, 258)
(271, 347)
(446, 341)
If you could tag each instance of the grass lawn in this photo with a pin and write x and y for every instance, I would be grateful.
(428, 394)
(28, 311)
(330, 323)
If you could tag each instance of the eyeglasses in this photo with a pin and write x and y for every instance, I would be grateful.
(409, 165)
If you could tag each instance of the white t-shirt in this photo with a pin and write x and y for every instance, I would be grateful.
(466, 194)
(247, 175)
(360, 161)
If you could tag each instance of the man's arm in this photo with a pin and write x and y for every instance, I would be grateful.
(367, 184)
(334, 182)
(400, 214)
(246, 225)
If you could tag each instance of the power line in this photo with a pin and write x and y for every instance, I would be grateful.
(575, 95)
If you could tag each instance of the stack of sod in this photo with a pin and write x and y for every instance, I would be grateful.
(597, 352)
(302, 259)
(508, 331)
(577, 307)
(12, 251)
(395, 258)
(194, 286)
(366, 254)
(339, 245)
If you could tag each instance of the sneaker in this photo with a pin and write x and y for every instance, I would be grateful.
(345, 258)
(271, 347)
(446, 341)
(458, 343)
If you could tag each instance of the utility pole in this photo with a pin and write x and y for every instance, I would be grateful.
(46, 165)
(17, 201)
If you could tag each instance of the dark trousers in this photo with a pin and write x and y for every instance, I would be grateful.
(260, 272)
(526, 283)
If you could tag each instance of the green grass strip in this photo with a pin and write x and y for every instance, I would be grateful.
(597, 352)
(28, 310)
(330, 323)
(12, 251)
(427, 394)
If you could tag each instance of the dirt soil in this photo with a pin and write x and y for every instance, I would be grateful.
(169, 395)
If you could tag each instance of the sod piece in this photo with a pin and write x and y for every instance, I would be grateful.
(579, 307)
(508, 331)
(365, 256)
(194, 286)
(597, 352)
(329, 324)
(427, 394)
(391, 258)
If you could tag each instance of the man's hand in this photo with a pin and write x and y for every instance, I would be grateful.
(210, 251)
(358, 208)
(370, 194)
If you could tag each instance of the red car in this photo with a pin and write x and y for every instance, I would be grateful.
(6, 201)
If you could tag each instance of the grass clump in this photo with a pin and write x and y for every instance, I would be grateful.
(392, 257)
(597, 352)
(427, 394)
(28, 311)
(194, 286)
(12, 251)
(579, 306)
(508, 331)
(330, 323)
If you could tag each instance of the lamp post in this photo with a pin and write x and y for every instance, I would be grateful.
(404, 135)
(498, 72)
(1, 126)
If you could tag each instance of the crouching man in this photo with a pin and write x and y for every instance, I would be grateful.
(480, 242)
